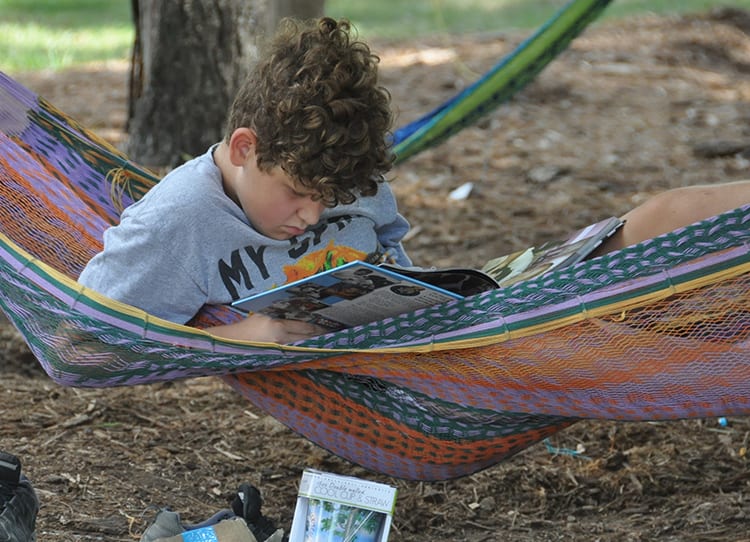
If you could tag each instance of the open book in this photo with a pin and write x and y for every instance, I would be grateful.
(359, 293)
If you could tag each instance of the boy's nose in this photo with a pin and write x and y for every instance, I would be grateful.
(310, 211)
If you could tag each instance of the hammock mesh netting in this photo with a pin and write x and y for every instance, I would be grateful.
(658, 331)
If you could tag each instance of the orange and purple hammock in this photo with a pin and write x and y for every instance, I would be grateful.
(658, 331)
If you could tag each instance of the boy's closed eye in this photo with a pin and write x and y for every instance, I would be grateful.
(300, 192)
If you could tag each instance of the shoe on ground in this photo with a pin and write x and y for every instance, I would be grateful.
(19, 504)
(247, 504)
(168, 525)
(227, 530)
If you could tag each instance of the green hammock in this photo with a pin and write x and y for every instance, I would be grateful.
(658, 331)
(500, 83)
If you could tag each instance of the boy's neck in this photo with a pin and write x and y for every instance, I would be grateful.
(227, 169)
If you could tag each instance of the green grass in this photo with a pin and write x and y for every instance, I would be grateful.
(57, 34)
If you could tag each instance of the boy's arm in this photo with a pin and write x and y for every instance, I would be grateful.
(261, 328)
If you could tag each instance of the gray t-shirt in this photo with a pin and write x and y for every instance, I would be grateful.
(186, 244)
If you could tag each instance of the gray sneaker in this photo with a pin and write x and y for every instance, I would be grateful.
(19, 504)
(167, 524)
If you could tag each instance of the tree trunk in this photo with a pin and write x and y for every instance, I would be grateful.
(189, 58)
(300, 9)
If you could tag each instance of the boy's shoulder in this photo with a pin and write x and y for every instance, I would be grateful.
(201, 166)
(193, 185)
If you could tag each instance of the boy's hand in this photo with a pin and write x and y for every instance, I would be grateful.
(261, 328)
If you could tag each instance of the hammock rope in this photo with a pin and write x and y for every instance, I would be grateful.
(658, 331)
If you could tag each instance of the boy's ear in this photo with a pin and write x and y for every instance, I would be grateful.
(242, 145)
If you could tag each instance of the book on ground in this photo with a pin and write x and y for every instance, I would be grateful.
(359, 293)
(335, 508)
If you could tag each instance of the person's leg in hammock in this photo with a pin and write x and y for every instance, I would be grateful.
(674, 209)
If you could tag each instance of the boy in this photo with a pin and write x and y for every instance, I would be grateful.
(296, 186)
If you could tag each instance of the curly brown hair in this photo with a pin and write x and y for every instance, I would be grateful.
(318, 111)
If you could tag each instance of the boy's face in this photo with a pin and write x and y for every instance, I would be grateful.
(276, 205)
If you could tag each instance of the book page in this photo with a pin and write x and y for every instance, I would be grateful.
(394, 299)
(353, 294)
(534, 261)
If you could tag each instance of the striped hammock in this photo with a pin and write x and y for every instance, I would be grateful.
(658, 331)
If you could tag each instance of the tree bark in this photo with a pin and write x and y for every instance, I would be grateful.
(189, 58)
